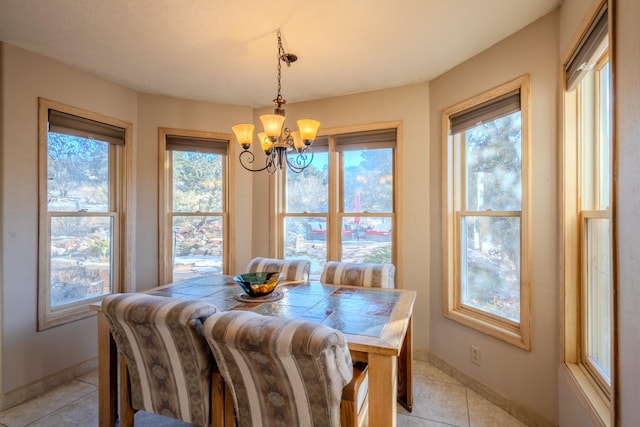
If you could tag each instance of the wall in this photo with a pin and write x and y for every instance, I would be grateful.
(161, 111)
(27, 77)
(410, 105)
(528, 378)
(627, 123)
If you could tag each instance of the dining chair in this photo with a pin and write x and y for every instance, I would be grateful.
(376, 275)
(285, 372)
(292, 270)
(166, 365)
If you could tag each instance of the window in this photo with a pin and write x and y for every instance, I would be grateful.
(194, 198)
(587, 218)
(342, 207)
(487, 235)
(82, 204)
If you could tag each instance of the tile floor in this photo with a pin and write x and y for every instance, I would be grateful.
(439, 401)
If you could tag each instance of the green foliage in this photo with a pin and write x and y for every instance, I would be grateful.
(197, 179)
(494, 165)
(380, 255)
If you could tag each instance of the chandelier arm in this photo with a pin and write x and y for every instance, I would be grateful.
(301, 162)
(248, 157)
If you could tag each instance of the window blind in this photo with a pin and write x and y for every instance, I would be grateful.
(591, 47)
(485, 112)
(320, 144)
(199, 145)
(383, 138)
(69, 124)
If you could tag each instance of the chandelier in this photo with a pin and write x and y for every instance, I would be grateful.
(278, 142)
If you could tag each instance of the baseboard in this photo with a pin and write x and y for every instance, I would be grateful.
(43, 385)
(512, 407)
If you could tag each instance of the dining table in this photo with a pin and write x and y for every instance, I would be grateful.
(376, 322)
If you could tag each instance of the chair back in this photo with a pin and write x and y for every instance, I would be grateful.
(281, 372)
(359, 274)
(292, 270)
(168, 360)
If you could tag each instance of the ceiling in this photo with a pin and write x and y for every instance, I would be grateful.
(225, 51)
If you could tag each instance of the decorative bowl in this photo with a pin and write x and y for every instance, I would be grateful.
(258, 284)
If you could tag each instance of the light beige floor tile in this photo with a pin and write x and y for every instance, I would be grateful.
(24, 414)
(412, 421)
(441, 402)
(426, 370)
(483, 413)
(82, 412)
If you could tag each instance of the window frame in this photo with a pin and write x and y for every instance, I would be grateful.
(335, 210)
(509, 331)
(596, 397)
(120, 194)
(165, 201)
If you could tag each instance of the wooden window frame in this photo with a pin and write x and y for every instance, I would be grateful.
(165, 201)
(596, 397)
(509, 331)
(121, 194)
(335, 212)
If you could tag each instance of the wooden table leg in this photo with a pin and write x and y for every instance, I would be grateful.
(107, 375)
(405, 384)
(383, 386)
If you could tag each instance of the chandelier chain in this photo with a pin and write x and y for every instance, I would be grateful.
(281, 55)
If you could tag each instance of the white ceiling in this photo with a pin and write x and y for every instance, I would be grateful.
(225, 50)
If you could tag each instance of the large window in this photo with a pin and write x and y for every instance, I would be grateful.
(587, 216)
(343, 206)
(194, 204)
(82, 175)
(487, 284)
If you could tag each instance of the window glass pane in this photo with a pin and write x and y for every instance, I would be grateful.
(306, 238)
(366, 239)
(599, 291)
(197, 246)
(81, 254)
(368, 180)
(77, 174)
(308, 191)
(197, 182)
(494, 165)
(490, 265)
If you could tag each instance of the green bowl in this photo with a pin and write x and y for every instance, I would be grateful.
(258, 284)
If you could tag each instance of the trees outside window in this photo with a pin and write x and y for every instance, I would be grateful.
(194, 215)
(487, 284)
(342, 207)
(82, 162)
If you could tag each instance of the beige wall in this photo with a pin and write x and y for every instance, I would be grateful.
(28, 355)
(526, 377)
(627, 123)
(161, 111)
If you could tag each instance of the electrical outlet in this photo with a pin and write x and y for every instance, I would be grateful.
(475, 355)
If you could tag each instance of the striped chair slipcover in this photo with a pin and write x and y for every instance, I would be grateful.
(284, 372)
(359, 274)
(292, 270)
(168, 361)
